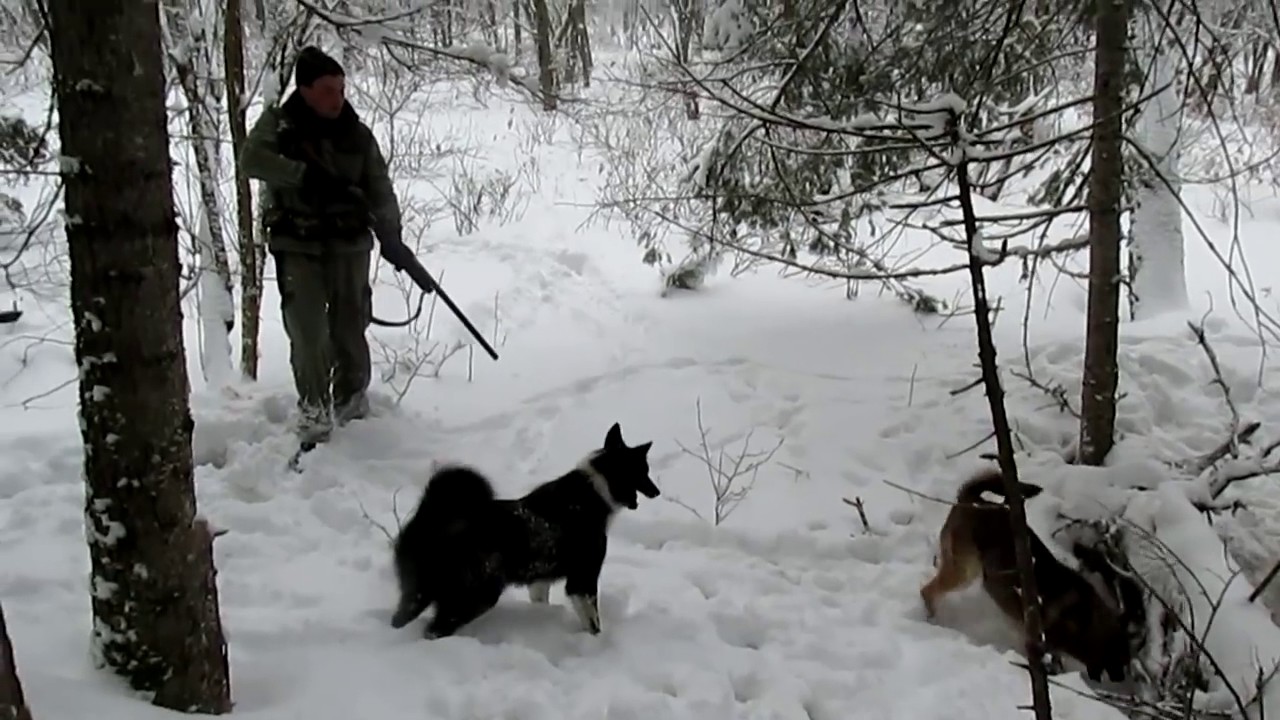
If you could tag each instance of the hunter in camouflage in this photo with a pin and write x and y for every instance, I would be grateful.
(328, 192)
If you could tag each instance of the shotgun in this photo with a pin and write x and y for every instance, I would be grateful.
(417, 273)
(426, 284)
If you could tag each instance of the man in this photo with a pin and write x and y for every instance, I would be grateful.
(328, 187)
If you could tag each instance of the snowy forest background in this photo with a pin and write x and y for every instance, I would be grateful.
(872, 149)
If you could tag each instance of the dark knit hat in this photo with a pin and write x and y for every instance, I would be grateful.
(312, 64)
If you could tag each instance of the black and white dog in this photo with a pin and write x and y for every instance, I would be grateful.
(463, 546)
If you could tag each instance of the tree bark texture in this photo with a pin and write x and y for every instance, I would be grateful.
(13, 705)
(154, 595)
(547, 81)
(1101, 373)
(1032, 609)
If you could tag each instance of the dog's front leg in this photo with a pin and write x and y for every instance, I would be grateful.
(588, 609)
(540, 592)
(582, 587)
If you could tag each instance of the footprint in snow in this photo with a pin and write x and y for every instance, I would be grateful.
(869, 550)
(574, 262)
(902, 516)
(548, 412)
(828, 582)
(787, 415)
(742, 630)
(746, 685)
(897, 429)
(705, 585)
(680, 363)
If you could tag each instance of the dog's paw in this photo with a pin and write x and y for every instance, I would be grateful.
(929, 607)
(430, 633)
(588, 609)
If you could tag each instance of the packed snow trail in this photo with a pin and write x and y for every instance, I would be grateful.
(790, 609)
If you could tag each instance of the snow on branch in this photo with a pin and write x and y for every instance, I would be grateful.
(1215, 651)
(1226, 464)
(390, 30)
(934, 127)
(1202, 648)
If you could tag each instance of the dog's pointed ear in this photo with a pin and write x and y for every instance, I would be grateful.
(643, 448)
(613, 439)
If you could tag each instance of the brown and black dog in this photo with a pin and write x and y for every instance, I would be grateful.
(1079, 620)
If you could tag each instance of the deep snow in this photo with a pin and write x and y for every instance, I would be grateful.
(789, 609)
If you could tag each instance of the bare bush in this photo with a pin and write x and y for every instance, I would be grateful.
(1234, 459)
(649, 145)
(474, 198)
(395, 516)
(732, 476)
(422, 355)
(418, 352)
(28, 254)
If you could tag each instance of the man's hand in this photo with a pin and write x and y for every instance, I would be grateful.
(400, 257)
(321, 186)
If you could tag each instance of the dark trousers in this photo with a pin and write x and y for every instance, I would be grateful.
(326, 302)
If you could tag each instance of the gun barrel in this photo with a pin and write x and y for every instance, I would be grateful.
(424, 281)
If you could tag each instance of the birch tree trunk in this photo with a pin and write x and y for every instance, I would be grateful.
(1157, 259)
(191, 26)
(252, 253)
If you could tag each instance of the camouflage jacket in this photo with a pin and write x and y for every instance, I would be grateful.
(276, 152)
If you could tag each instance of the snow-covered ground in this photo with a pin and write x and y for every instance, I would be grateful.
(790, 608)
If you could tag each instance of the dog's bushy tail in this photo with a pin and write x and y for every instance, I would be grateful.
(450, 508)
(990, 481)
(454, 493)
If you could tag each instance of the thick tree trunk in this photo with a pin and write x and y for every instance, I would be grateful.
(252, 257)
(13, 704)
(1101, 375)
(546, 60)
(154, 595)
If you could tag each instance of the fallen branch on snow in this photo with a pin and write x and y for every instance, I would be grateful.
(1223, 466)
(856, 504)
